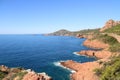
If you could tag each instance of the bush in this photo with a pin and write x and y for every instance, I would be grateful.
(114, 44)
(111, 70)
(2, 74)
(115, 47)
(107, 39)
(98, 72)
(115, 30)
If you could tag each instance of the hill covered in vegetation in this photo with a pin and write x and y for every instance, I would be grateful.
(110, 69)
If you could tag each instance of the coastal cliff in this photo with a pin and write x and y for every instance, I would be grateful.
(106, 57)
(109, 24)
(85, 71)
(106, 45)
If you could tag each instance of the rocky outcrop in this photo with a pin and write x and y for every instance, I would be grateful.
(21, 74)
(109, 24)
(95, 44)
(36, 76)
(71, 64)
(84, 71)
(4, 68)
(80, 36)
(98, 54)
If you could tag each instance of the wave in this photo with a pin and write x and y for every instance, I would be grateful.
(76, 54)
(59, 64)
(79, 54)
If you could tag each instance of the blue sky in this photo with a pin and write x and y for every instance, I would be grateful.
(44, 16)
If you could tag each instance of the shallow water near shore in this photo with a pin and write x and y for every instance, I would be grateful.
(40, 53)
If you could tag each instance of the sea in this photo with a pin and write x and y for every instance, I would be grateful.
(42, 53)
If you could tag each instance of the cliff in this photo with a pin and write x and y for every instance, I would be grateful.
(21, 74)
(107, 65)
(109, 24)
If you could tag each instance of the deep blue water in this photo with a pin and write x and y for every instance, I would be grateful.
(41, 52)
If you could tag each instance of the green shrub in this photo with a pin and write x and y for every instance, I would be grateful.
(114, 44)
(111, 70)
(115, 47)
(115, 30)
(98, 72)
(107, 39)
(2, 74)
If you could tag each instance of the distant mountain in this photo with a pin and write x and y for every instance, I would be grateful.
(80, 34)
(61, 32)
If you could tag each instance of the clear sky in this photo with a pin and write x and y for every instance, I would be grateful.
(44, 16)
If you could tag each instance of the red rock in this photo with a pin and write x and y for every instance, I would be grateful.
(84, 70)
(34, 76)
(4, 68)
(98, 54)
(79, 36)
(109, 24)
(95, 44)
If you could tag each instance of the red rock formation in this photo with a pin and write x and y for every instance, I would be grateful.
(109, 24)
(36, 76)
(4, 68)
(27, 74)
(71, 64)
(79, 36)
(84, 70)
(31, 76)
(95, 44)
(98, 54)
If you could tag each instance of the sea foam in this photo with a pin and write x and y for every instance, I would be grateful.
(76, 54)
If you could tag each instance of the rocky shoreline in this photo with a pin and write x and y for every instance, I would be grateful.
(21, 74)
(85, 71)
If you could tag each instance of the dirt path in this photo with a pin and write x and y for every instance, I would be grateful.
(115, 36)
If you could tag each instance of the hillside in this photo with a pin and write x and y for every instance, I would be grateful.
(87, 31)
(107, 65)
(110, 69)
(64, 32)
(115, 30)
(110, 24)
(61, 32)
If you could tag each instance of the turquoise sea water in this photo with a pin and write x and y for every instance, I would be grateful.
(41, 53)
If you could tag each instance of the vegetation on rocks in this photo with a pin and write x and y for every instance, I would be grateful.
(107, 39)
(115, 30)
(87, 31)
(110, 70)
(20, 75)
(114, 44)
(2, 74)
